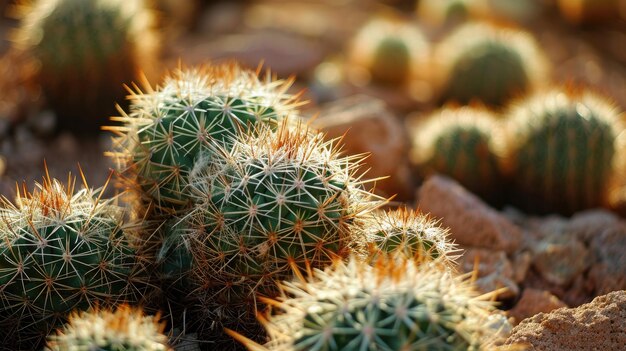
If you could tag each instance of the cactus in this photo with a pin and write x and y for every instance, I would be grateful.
(61, 252)
(395, 305)
(126, 329)
(589, 11)
(171, 127)
(489, 64)
(462, 143)
(444, 13)
(271, 203)
(87, 50)
(390, 51)
(410, 234)
(563, 147)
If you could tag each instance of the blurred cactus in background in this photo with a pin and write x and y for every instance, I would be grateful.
(589, 11)
(87, 50)
(481, 62)
(563, 150)
(444, 13)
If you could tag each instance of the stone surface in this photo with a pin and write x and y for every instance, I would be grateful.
(369, 127)
(588, 224)
(560, 258)
(609, 254)
(598, 325)
(534, 301)
(472, 223)
(493, 271)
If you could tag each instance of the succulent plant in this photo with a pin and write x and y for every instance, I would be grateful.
(444, 13)
(408, 233)
(563, 151)
(170, 128)
(87, 50)
(390, 51)
(60, 252)
(394, 305)
(125, 329)
(589, 11)
(488, 64)
(463, 143)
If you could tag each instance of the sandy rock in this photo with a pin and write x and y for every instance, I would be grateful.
(598, 325)
(560, 258)
(472, 223)
(609, 252)
(369, 127)
(494, 271)
(588, 224)
(534, 301)
(521, 264)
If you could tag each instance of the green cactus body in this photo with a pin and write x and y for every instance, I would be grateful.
(409, 234)
(563, 151)
(444, 13)
(87, 51)
(392, 52)
(488, 64)
(462, 143)
(168, 130)
(125, 329)
(394, 305)
(61, 252)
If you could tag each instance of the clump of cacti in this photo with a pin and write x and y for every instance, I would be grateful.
(390, 52)
(87, 50)
(60, 252)
(563, 150)
(589, 11)
(488, 64)
(394, 305)
(410, 234)
(169, 128)
(463, 143)
(125, 329)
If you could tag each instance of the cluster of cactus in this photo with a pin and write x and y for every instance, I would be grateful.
(394, 305)
(488, 64)
(125, 329)
(461, 142)
(59, 252)
(87, 50)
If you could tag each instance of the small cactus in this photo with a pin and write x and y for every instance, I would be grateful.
(444, 13)
(395, 305)
(461, 143)
(563, 148)
(60, 252)
(390, 51)
(126, 329)
(170, 128)
(488, 64)
(87, 50)
(410, 234)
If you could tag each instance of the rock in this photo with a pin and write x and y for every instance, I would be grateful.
(609, 252)
(534, 301)
(521, 264)
(560, 258)
(369, 127)
(598, 325)
(494, 271)
(471, 222)
(588, 224)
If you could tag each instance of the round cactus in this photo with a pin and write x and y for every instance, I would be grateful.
(409, 234)
(390, 51)
(444, 13)
(395, 305)
(462, 143)
(488, 64)
(171, 127)
(563, 147)
(126, 329)
(87, 50)
(61, 252)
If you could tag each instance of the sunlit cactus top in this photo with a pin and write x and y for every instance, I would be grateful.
(168, 128)
(126, 329)
(394, 305)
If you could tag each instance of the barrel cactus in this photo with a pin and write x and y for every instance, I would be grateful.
(563, 152)
(60, 252)
(391, 52)
(410, 234)
(169, 128)
(394, 305)
(125, 329)
(463, 143)
(87, 50)
(488, 64)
